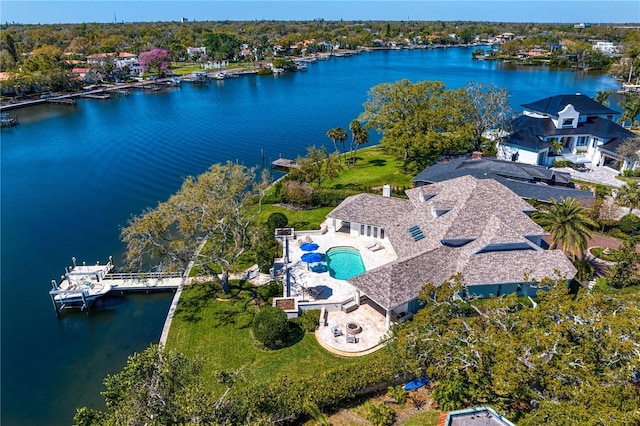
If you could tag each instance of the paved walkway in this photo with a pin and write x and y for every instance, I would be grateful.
(595, 174)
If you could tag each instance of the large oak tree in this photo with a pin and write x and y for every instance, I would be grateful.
(208, 221)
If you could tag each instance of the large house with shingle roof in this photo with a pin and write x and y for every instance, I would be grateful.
(529, 181)
(476, 227)
(582, 129)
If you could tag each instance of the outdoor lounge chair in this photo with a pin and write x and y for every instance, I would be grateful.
(336, 331)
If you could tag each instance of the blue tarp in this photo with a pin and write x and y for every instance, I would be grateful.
(416, 383)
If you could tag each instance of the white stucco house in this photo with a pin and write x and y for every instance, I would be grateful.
(566, 127)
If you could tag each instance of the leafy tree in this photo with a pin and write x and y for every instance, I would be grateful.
(271, 327)
(489, 109)
(569, 224)
(156, 387)
(569, 360)
(207, 221)
(418, 121)
(630, 150)
(623, 272)
(297, 193)
(359, 136)
(628, 196)
(631, 105)
(337, 134)
(602, 96)
(155, 59)
(221, 46)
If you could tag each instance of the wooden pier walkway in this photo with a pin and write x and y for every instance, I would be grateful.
(132, 282)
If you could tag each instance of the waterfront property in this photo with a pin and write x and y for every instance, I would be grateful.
(476, 227)
(566, 127)
(531, 182)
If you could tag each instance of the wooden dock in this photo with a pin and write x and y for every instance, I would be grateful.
(284, 164)
(145, 282)
(62, 101)
(82, 285)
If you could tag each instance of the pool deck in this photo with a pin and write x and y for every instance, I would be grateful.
(310, 286)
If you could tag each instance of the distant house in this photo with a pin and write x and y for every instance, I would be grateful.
(606, 47)
(191, 51)
(527, 180)
(129, 60)
(566, 127)
(476, 227)
(100, 59)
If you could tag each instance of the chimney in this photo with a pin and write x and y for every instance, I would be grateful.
(386, 190)
(476, 155)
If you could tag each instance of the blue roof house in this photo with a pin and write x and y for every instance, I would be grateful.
(566, 127)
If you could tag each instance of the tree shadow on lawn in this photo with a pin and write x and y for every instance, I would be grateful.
(378, 162)
(197, 298)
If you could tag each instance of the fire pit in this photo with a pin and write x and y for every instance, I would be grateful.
(353, 328)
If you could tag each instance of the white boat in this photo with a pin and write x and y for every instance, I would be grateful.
(82, 284)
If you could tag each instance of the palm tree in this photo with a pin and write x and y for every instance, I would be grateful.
(569, 225)
(602, 97)
(337, 134)
(629, 196)
(631, 105)
(360, 136)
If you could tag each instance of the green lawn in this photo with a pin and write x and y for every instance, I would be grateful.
(301, 220)
(373, 168)
(219, 333)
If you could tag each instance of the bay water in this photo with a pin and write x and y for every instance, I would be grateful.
(72, 176)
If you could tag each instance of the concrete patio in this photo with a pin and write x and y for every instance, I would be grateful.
(369, 339)
(319, 289)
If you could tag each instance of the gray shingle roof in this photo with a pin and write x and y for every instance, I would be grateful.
(518, 177)
(481, 210)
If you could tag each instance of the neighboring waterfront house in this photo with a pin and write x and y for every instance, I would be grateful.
(529, 181)
(476, 227)
(191, 51)
(566, 127)
(606, 47)
(100, 59)
(476, 416)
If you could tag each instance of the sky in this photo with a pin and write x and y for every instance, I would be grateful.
(556, 11)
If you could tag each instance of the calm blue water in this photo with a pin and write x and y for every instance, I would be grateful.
(72, 176)
(344, 262)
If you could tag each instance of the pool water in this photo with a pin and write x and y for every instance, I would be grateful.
(344, 262)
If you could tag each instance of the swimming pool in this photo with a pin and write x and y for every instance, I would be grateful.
(344, 262)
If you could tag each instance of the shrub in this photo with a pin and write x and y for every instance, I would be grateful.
(562, 163)
(309, 320)
(271, 327)
(297, 193)
(631, 173)
(629, 224)
(329, 197)
(602, 191)
(617, 233)
(379, 414)
(277, 220)
(397, 393)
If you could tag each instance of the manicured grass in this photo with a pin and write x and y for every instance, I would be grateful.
(219, 332)
(426, 418)
(301, 220)
(373, 168)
